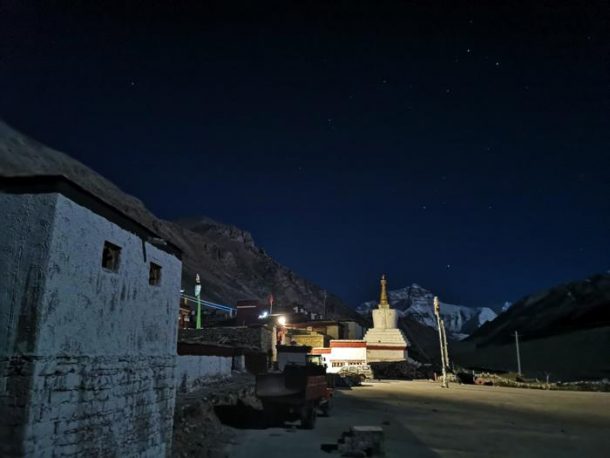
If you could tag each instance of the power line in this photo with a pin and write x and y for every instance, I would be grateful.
(213, 305)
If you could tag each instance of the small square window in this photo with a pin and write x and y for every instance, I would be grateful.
(154, 274)
(111, 256)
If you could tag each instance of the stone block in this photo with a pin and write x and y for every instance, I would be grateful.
(362, 441)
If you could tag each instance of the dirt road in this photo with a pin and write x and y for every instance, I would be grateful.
(420, 419)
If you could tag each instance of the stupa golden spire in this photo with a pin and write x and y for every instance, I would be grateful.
(383, 301)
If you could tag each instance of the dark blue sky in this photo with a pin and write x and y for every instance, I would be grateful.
(465, 148)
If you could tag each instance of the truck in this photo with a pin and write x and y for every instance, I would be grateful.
(296, 393)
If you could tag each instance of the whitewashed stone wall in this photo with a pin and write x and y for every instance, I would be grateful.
(87, 356)
(380, 355)
(193, 371)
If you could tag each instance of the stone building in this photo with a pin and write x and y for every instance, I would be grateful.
(308, 338)
(184, 315)
(385, 341)
(342, 353)
(333, 329)
(88, 306)
(329, 328)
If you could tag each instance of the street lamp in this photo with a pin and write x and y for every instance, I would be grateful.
(281, 320)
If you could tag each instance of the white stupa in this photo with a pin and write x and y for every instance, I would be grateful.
(385, 342)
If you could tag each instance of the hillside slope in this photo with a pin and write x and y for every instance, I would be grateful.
(564, 332)
(565, 308)
(231, 266)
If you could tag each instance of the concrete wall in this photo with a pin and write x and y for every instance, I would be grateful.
(193, 371)
(87, 364)
(348, 354)
(385, 318)
(376, 355)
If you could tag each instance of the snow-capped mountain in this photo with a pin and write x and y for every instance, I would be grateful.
(417, 303)
(506, 306)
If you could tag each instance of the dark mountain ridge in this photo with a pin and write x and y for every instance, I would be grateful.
(230, 264)
(565, 308)
(564, 333)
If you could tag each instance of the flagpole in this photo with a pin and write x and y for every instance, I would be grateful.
(198, 296)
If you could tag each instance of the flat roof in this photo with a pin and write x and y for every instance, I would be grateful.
(60, 184)
(35, 166)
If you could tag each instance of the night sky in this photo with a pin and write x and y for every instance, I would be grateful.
(464, 146)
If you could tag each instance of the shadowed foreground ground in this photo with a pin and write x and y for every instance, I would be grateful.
(422, 420)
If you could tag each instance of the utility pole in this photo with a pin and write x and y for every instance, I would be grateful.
(198, 296)
(324, 304)
(518, 353)
(437, 312)
(445, 349)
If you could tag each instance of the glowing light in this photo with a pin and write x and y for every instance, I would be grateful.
(263, 315)
(281, 321)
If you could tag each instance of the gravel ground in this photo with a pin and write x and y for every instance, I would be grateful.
(420, 419)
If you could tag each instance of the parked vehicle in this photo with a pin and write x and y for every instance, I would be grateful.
(297, 393)
(360, 371)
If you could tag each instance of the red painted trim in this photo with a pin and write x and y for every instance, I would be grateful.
(385, 347)
(320, 351)
(347, 344)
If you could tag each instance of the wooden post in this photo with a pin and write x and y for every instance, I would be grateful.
(445, 348)
(518, 353)
(437, 312)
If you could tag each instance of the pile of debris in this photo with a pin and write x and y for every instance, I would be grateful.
(400, 370)
(197, 428)
(516, 381)
(359, 442)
